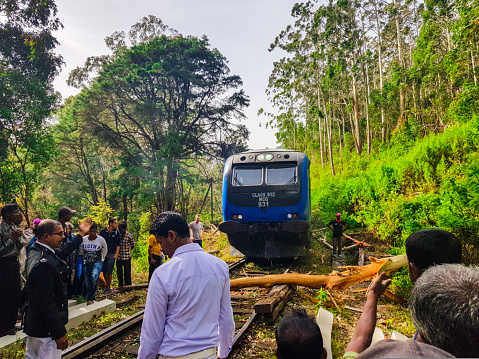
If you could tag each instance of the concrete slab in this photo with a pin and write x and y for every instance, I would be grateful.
(377, 335)
(10, 339)
(72, 302)
(324, 319)
(398, 336)
(79, 315)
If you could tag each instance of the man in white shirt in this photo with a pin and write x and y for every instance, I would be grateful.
(188, 308)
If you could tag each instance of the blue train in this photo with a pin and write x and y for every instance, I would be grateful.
(267, 203)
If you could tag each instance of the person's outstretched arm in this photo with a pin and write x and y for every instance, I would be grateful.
(363, 335)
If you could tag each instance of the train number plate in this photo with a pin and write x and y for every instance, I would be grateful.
(263, 198)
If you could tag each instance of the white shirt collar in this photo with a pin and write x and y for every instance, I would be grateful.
(47, 246)
(187, 248)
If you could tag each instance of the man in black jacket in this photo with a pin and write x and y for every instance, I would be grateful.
(47, 309)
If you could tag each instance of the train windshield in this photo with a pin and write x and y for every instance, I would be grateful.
(247, 176)
(276, 175)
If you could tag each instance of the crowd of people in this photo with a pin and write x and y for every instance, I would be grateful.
(188, 313)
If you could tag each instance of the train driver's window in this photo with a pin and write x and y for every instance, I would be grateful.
(247, 176)
(281, 175)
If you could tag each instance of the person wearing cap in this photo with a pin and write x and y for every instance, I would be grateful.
(12, 240)
(338, 226)
(188, 310)
(298, 336)
(65, 215)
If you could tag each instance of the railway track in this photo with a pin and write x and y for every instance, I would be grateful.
(100, 340)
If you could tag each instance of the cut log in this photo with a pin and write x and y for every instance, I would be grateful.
(266, 305)
(338, 280)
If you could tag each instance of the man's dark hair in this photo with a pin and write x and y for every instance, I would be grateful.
(123, 225)
(171, 221)
(93, 226)
(111, 220)
(444, 306)
(428, 247)
(9, 209)
(298, 336)
(152, 228)
(47, 226)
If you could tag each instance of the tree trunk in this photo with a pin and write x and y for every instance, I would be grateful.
(351, 275)
(356, 116)
(401, 62)
(380, 62)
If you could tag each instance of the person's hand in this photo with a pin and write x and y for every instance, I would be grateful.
(379, 286)
(84, 227)
(32, 226)
(116, 256)
(62, 343)
(17, 233)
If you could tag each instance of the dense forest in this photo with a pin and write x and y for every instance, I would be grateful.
(383, 96)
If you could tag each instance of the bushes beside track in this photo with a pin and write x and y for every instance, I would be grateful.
(412, 184)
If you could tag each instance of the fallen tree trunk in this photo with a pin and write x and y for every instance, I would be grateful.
(338, 280)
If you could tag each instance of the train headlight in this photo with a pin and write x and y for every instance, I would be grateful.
(236, 216)
(292, 215)
(264, 157)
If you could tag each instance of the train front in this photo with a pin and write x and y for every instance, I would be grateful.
(266, 203)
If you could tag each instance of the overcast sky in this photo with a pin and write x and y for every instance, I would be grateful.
(240, 29)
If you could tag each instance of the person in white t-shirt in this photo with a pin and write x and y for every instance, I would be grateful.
(94, 251)
(196, 230)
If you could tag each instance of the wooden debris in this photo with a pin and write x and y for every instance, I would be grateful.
(325, 243)
(340, 280)
(280, 305)
(127, 301)
(128, 288)
(353, 309)
(266, 305)
(358, 243)
(394, 297)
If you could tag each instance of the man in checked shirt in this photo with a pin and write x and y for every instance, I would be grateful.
(123, 263)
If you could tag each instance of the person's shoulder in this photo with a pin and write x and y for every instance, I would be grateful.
(100, 238)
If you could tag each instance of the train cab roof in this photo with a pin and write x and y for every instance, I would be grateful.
(267, 155)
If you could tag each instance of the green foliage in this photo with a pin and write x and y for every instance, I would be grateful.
(101, 213)
(321, 297)
(433, 184)
(401, 284)
(140, 253)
